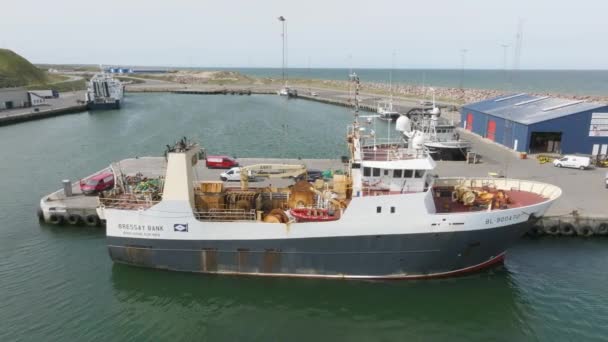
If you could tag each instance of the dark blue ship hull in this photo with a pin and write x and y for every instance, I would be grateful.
(103, 105)
(406, 256)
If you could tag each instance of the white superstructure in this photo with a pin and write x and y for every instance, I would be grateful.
(104, 92)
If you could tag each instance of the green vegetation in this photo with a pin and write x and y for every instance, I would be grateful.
(56, 78)
(130, 80)
(62, 86)
(16, 71)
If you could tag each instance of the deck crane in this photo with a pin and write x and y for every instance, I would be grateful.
(270, 171)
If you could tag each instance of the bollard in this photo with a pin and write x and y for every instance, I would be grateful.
(67, 187)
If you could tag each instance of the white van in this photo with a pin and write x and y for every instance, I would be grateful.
(234, 175)
(577, 162)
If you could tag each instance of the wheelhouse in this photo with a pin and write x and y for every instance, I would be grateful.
(402, 176)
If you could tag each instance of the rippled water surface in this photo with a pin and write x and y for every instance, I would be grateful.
(58, 283)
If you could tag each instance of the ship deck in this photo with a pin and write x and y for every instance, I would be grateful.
(444, 202)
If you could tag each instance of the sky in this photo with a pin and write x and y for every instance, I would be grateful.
(557, 34)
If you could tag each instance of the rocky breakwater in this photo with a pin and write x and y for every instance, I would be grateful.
(456, 95)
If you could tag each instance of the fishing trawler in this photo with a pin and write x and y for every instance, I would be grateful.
(386, 217)
(386, 111)
(442, 140)
(104, 92)
(289, 92)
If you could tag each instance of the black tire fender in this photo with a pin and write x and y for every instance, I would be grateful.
(55, 218)
(552, 229)
(602, 228)
(91, 220)
(585, 231)
(567, 229)
(73, 219)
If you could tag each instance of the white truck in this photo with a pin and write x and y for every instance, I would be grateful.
(577, 162)
(232, 175)
(251, 173)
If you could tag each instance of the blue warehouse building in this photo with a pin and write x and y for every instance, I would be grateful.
(540, 124)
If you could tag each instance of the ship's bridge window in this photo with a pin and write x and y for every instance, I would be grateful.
(397, 173)
(419, 173)
(408, 173)
(373, 172)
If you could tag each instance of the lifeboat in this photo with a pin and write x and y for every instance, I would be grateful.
(314, 215)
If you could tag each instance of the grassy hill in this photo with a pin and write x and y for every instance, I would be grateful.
(16, 71)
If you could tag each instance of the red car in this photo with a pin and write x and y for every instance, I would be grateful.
(221, 162)
(100, 182)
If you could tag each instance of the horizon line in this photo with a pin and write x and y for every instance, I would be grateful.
(307, 68)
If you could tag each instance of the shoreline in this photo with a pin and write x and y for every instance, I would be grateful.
(452, 95)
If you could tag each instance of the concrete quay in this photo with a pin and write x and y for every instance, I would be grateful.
(581, 210)
(68, 102)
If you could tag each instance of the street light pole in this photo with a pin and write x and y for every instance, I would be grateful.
(282, 20)
(504, 60)
(463, 55)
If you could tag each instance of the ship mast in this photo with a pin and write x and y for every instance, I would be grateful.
(390, 81)
(355, 79)
(354, 135)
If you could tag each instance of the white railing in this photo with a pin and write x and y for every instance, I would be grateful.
(127, 203)
(226, 215)
(389, 154)
(371, 141)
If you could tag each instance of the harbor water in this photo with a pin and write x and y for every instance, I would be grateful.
(58, 283)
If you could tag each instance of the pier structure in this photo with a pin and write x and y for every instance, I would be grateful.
(67, 103)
